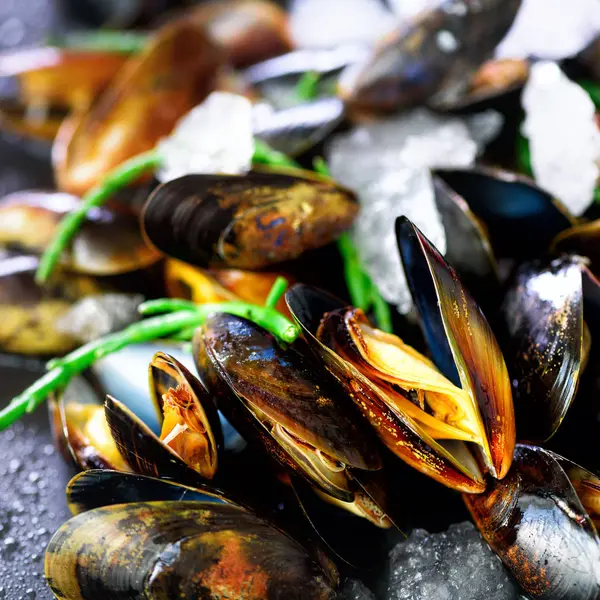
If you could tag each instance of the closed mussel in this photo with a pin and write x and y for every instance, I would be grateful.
(538, 520)
(436, 54)
(50, 83)
(248, 221)
(499, 202)
(544, 312)
(187, 550)
(284, 401)
(108, 243)
(174, 73)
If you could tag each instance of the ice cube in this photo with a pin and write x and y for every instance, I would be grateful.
(453, 565)
(564, 140)
(551, 29)
(387, 163)
(330, 23)
(214, 137)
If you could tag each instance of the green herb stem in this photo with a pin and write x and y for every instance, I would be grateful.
(278, 289)
(308, 86)
(120, 177)
(124, 42)
(82, 358)
(264, 154)
(265, 316)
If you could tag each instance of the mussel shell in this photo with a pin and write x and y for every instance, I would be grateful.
(149, 550)
(404, 437)
(62, 77)
(294, 64)
(174, 73)
(521, 218)
(543, 310)
(30, 313)
(288, 386)
(246, 222)
(582, 239)
(536, 524)
(69, 430)
(102, 487)
(439, 51)
(108, 243)
(249, 30)
(468, 248)
(496, 84)
(297, 129)
(143, 449)
(462, 343)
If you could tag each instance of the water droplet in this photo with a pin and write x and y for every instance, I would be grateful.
(41, 531)
(14, 465)
(12, 31)
(33, 476)
(48, 450)
(30, 593)
(10, 542)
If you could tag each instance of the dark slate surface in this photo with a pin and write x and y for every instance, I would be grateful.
(33, 477)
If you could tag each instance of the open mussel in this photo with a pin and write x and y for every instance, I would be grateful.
(190, 438)
(30, 314)
(433, 57)
(430, 416)
(419, 414)
(538, 520)
(108, 243)
(185, 550)
(283, 400)
(174, 73)
(51, 83)
(249, 221)
(80, 428)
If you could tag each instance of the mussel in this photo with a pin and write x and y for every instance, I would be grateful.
(108, 243)
(421, 414)
(434, 56)
(30, 314)
(180, 549)
(283, 400)
(249, 30)
(538, 519)
(248, 221)
(52, 82)
(503, 201)
(176, 71)
(190, 437)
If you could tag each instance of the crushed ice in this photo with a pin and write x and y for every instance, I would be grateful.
(551, 29)
(387, 163)
(214, 137)
(453, 565)
(564, 139)
(339, 22)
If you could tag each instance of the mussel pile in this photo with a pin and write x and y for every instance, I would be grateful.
(288, 462)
